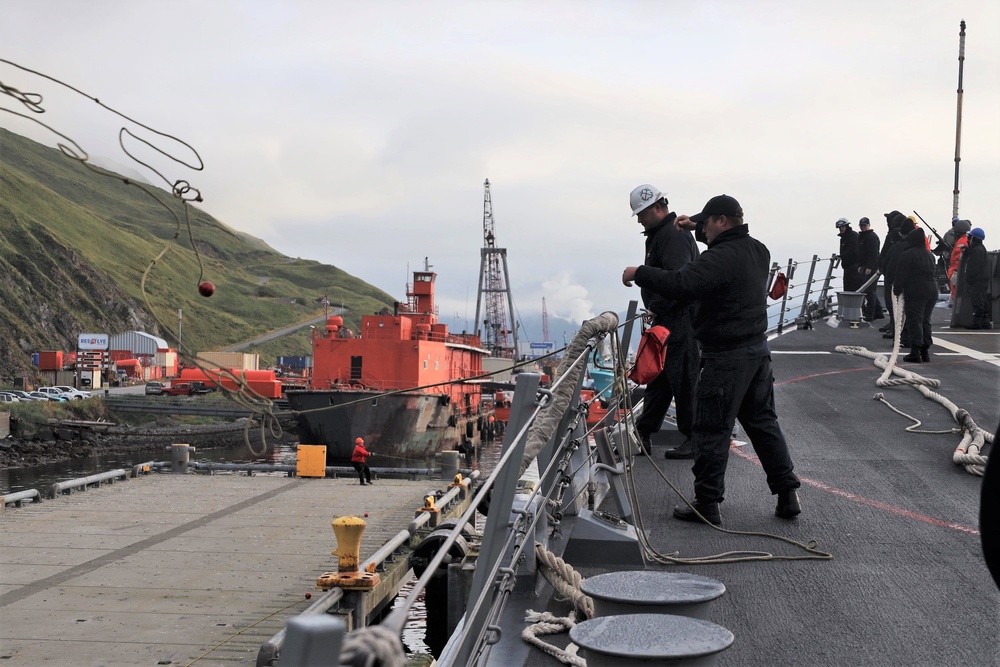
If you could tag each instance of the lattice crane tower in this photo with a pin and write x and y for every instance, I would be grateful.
(496, 330)
(545, 321)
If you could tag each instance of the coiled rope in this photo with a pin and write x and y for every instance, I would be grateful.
(968, 453)
(565, 581)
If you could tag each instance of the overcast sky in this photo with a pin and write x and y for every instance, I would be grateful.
(359, 134)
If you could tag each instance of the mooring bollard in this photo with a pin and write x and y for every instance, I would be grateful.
(641, 592)
(348, 531)
(180, 457)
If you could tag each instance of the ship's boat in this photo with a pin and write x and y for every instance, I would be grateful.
(400, 383)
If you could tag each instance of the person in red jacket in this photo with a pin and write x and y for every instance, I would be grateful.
(359, 459)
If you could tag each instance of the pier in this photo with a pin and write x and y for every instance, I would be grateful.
(183, 569)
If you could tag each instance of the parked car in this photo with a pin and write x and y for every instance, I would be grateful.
(46, 396)
(22, 395)
(73, 394)
(52, 391)
(178, 389)
(154, 388)
(9, 398)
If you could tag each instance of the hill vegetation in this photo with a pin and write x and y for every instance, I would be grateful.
(75, 241)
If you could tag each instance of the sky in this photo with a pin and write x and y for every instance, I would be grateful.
(359, 134)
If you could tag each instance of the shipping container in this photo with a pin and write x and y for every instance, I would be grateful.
(262, 382)
(240, 360)
(50, 360)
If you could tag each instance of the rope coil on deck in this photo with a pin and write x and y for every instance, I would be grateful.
(968, 453)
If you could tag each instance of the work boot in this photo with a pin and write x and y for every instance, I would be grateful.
(645, 444)
(914, 356)
(925, 354)
(886, 329)
(685, 450)
(710, 512)
(788, 504)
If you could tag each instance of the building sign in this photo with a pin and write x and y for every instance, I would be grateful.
(542, 346)
(93, 342)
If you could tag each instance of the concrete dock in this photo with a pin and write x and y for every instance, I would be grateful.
(178, 569)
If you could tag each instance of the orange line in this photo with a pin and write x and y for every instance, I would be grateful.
(899, 511)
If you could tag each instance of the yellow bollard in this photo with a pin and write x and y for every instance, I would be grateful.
(430, 508)
(348, 530)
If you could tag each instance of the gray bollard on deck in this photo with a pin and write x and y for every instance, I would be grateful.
(180, 457)
(641, 592)
(650, 640)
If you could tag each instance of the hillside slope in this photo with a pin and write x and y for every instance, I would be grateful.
(75, 242)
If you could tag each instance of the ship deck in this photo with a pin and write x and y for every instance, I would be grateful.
(907, 584)
(178, 569)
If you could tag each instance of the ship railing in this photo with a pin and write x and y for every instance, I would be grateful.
(546, 426)
(811, 295)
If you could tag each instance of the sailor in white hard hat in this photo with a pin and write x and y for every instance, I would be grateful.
(667, 248)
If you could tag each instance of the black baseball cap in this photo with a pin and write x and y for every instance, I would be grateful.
(719, 205)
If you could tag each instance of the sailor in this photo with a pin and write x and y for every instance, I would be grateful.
(900, 226)
(892, 221)
(849, 255)
(867, 267)
(962, 229)
(359, 459)
(729, 283)
(914, 279)
(974, 272)
(667, 248)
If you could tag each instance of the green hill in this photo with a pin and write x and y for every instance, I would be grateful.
(75, 242)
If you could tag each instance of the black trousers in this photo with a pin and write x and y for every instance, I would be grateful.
(364, 474)
(676, 382)
(917, 329)
(731, 389)
(852, 279)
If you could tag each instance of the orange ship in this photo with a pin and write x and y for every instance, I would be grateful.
(398, 383)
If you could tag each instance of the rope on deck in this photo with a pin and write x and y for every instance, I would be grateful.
(968, 453)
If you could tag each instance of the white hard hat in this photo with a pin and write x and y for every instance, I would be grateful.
(643, 197)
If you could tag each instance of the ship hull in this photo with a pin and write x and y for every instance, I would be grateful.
(410, 426)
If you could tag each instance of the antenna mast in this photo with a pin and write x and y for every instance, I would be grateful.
(958, 121)
(494, 329)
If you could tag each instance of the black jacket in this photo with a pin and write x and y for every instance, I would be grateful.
(849, 249)
(914, 277)
(868, 249)
(668, 248)
(891, 237)
(974, 267)
(729, 283)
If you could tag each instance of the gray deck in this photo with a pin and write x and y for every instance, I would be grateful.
(165, 568)
(907, 584)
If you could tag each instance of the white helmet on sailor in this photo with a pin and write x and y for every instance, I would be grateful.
(643, 197)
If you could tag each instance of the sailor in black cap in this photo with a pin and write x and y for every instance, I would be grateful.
(729, 282)
(849, 255)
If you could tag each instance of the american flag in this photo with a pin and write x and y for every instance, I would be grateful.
(326, 302)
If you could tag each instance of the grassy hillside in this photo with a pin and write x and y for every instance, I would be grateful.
(74, 245)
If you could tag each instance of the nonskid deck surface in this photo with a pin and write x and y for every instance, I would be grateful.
(907, 584)
(165, 568)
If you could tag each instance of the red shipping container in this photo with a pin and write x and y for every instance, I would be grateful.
(50, 360)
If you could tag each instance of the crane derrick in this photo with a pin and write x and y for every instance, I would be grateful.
(494, 302)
